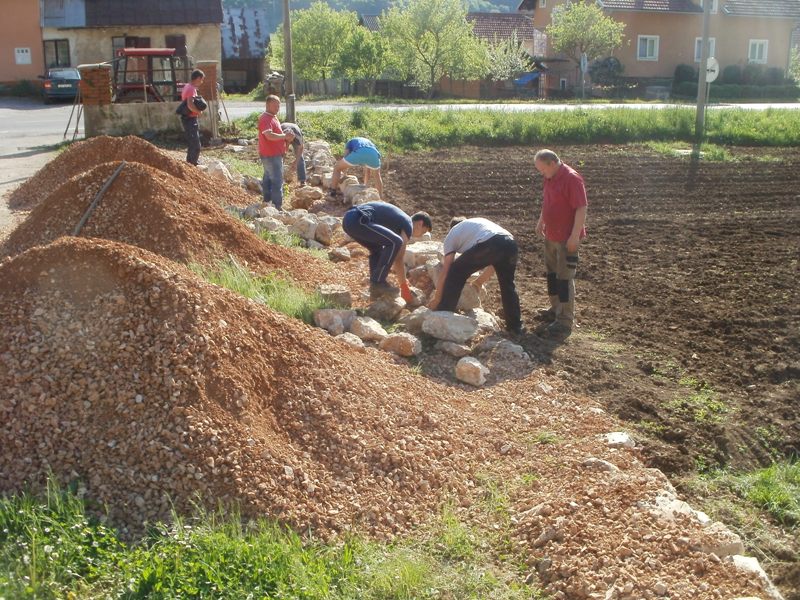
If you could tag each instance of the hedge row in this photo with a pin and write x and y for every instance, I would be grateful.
(721, 91)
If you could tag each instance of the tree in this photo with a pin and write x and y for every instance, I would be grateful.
(794, 65)
(365, 55)
(581, 27)
(507, 59)
(319, 35)
(430, 39)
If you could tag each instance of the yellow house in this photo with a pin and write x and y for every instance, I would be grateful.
(662, 34)
(20, 42)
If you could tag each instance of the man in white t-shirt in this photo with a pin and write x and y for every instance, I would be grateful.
(481, 244)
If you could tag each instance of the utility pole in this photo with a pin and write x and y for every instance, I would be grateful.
(288, 80)
(700, 119)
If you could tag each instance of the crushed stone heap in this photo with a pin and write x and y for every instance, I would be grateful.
(123, 371)
(151, 209)
(83, 156)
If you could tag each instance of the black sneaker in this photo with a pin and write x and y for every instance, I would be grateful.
(381, 290)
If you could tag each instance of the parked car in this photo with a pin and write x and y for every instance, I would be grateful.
(60, 83)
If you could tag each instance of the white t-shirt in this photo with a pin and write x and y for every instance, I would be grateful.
(469, 233)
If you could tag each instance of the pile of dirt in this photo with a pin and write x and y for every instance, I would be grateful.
(123, 371)
(82, 156)
(149, 208)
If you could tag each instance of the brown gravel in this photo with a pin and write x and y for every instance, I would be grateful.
(149, 208)
(82, 156)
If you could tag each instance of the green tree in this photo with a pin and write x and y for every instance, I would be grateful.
(365, 55)
(507, 59)
(578, 27)
(319, 34)
(432, 38)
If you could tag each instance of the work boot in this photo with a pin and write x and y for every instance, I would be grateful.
(381, 290)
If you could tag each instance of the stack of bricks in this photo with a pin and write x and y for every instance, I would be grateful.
(96, 85)
(209, 88)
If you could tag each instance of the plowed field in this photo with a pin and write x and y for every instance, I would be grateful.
(687, 286)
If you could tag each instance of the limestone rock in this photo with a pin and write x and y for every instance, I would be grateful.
(470, 298)
(334, 320)
(339, 254)
(368, 329)
(487, 322)
(305, 227)
(597, 464)
(413, 321)
(471, 371)
(444, 325)
(338, 295)
(386, 309)
(724, 543)
(403, 344)
(323, 233)
(306, 196)
(350, 338)
(218, 170)
(420, 253)
(269, 224)
(363, 196)
(619, 439)
(453, 349)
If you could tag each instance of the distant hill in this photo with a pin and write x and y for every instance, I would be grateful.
(366, 7)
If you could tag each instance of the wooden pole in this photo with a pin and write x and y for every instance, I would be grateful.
(700, 118)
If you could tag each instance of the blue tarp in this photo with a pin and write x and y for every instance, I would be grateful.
(527, 78)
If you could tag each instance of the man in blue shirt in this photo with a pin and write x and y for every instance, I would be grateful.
(359, 152)
(385, 230)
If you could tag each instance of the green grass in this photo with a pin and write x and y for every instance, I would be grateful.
(51, 548)
(707, 152)
(702, 403)
(774, 490)
(279, 294)
(398, 130)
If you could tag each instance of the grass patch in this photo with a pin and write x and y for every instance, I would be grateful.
(51, 548)
(774, 490)
(703, 404)
(545, 437)
(403, 130)
(279, 294)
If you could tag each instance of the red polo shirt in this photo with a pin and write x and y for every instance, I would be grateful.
(269, 122)
(563, 194)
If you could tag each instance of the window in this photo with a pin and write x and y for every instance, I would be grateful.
(698, 48)
(56, 53)
(562, 84)
(647, 47)
(542, 3)
(177, 41)
(757, 52)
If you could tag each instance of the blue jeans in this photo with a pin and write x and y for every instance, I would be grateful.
(272, 183)
(301, 170)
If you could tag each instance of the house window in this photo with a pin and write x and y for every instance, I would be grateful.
(542, 3)
(562, 84)
(698, 48)
(56, 53)
(177, 41)
(647, 47)
(757, 52)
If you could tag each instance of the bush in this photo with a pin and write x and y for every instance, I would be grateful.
(751, 73)
(732, 74)
(688, 89)
(774, 76)
(21, 88)
(684, 73)
(606, 71)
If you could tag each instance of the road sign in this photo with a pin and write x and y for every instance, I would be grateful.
(712, 69)
(584, 62)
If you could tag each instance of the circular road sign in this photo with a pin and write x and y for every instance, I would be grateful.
(712, 69)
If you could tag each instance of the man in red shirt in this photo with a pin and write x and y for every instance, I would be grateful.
(190, 123)
(271, 148)
(561, 223)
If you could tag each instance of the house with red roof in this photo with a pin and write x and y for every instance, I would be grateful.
(662, 34)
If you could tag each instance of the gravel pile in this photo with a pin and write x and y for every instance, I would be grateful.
(121, 370)
(82, 156)
(149, 208)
